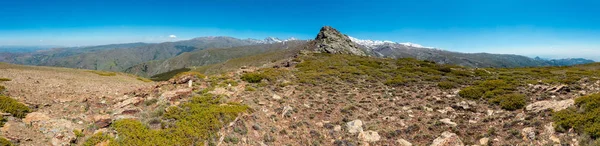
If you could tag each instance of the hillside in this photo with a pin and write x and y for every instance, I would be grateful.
(208, 57)
(119, 57)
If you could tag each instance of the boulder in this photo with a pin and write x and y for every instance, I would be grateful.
(554, 105)
(35, 117)
(447, 139)
(355, 126)
(369, 136)
(528, 133)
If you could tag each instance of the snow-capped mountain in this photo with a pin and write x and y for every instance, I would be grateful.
(271, 40)
(373, 43)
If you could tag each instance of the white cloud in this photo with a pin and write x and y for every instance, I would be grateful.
(172, 36)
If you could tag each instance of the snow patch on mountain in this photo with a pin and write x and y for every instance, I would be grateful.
(270, 40)
(374, 43)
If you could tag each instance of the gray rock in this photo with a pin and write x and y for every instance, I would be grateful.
(449, 122)
(355, 126)
(447, 139)
(330, 40)
(276, 97)
(554, 105)
(369, 136)
(528, 133)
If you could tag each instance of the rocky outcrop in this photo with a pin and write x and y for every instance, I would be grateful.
(554, 105)
(330, 40)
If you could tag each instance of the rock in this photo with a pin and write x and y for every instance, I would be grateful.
(447, 139)
(103, 123)
(276, 97)
(402, 142)
(256, 127)
(330, 40)
(286, 110)
(462, 105)
(34, 117)
(449, 122)
(355, 126)
(560, 89)
(130, 101)
(174, 95)
(528, 133)
(369, 136)
(484, 141)
(190, 83)
(337, 128)
(554, 105)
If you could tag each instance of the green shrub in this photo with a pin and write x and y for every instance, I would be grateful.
(487, 89)
(12, 106)
(249, 88)
(253, 77)
(168, 75)
(5, 79)
(98, 138)
(190, 73)
(447, 85)
(583, 117)
(2, 88)
(194, 122)
(5, 142)
(78, 133)
(397, 81)
(472, 93)
(103, 73)
(509, 101)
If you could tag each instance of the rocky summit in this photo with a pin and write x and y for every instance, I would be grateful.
(330, 40)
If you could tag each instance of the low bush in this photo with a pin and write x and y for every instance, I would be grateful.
(190, 73)
(98, 138)
(447, 85)
(2, 88)
(5, 79)
(194, 122)
(5, 142)
(583, 117)
(487, 89)
(509, 101)
(472, 93)
(397, 81)
(13, 107)
(253, 77)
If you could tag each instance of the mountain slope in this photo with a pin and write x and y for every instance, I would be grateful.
(388, 49)
(207, 57)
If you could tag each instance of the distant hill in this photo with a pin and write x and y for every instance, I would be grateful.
(208, 56)
(389, 49)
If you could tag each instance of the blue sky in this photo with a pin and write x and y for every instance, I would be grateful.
(547, 28)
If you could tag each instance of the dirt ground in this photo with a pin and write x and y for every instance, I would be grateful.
(59, 97)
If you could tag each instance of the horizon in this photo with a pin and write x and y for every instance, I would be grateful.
(548, 29)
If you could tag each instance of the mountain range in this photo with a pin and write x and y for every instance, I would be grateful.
(148, 59)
